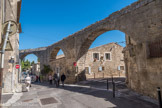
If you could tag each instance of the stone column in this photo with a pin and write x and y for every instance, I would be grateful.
(70, 71)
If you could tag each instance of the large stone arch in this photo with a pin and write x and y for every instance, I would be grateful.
(81, 56)
(89, 40)
(57, 64)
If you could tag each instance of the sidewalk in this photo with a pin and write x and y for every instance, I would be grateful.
(8, 99)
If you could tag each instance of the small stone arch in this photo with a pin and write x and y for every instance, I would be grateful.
(54, 52)
(22, 56)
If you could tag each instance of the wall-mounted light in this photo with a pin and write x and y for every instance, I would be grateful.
(11, 59)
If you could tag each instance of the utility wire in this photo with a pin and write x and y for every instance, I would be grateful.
(41, 38)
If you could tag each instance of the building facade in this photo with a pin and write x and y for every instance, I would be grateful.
(36, 69)
(103, 61)
(10, 10)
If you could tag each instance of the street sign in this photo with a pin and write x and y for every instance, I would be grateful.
(13, 28)
(8, 46)
(75, 64)
(17, 66)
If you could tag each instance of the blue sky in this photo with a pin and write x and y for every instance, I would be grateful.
(46, 22)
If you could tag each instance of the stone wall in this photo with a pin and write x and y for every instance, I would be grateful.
(10, 75)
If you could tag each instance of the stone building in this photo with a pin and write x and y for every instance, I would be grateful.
(58, 65)
(103, 61)
(36, 69)
(11, 11)
(106, 60)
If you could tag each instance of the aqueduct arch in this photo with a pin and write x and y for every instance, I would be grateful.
(54, 52)
(57, 63)
(88, 41)
(39, 52)
(141, 22)
(84, 49)
(22, 56)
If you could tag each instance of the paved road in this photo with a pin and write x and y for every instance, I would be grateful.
(76, 96)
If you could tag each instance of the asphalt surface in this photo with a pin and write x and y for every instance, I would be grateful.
(6, 97)
(84, 95)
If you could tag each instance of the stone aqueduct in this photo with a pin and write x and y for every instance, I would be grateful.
(140, 21)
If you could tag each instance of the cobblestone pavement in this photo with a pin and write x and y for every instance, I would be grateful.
(76, 96)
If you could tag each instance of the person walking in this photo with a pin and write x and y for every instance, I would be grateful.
(55, 79)
(50, 79)
(28, 82)
(63, 78)
(41, 78)
(58, 79)
(36, 78)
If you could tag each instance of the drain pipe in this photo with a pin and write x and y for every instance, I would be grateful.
(2, 60)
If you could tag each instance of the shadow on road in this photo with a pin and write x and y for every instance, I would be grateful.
(120, 101)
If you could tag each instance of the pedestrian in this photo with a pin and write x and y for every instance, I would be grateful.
(50, 79)
(63, 78)
(36, 78)
(58, 79)
(41, 78)
(55, 79)
(28, 82)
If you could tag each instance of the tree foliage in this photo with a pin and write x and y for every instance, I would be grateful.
(32, 63)
(25, 65)
(46, 69)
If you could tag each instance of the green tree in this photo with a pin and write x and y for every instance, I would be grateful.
(46, 70)
(22, 65)
(32, 63)
(25, 65)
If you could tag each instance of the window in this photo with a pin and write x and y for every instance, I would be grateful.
(121, 67)
(100, 69)
(95, 56)
(107, 56)
(103, 68)
(88, 70)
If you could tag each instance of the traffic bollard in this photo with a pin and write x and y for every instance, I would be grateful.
(112, 79)
(107, 84)
(94, 75)
(113, 89)
(159, 97)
